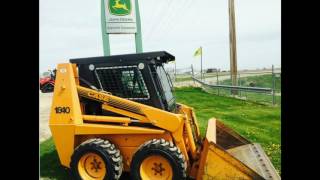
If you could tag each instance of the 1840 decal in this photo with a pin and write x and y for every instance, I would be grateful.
(60, 110)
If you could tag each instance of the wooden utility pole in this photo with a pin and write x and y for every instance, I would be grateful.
(233, 48)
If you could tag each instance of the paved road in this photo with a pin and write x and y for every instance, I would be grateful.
(44, 112)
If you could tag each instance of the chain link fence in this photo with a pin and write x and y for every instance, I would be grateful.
(260, 85)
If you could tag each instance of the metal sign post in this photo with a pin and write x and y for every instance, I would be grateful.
(138, 35)
(105, 36)
(120, 17)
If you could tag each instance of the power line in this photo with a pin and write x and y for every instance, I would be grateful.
(178, 20)
(156, 15)
(173, 15)
(167, 17)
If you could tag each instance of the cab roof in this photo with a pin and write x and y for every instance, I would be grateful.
(158, 56)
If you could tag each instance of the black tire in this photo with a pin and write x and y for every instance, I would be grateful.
(47, 88)
(165, 149)
(106, 150)
(43, 89)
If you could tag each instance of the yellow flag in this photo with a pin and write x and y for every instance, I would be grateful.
(198, 52)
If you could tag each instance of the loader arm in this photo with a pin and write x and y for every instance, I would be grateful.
(177, 124)
(137, 111)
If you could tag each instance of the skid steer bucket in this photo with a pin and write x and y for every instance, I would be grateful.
(227, 155)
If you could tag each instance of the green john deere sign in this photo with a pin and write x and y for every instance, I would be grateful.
(120, 7)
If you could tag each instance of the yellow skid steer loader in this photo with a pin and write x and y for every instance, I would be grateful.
(116, 114)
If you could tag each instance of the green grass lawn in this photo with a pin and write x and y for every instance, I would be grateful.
(49, 162)
(258, 123)
(181, 79)
(184, 77)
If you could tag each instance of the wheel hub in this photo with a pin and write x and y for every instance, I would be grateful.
(92, 167)
(95, 164)
(156, 167)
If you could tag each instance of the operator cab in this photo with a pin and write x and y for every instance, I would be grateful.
(138, 77)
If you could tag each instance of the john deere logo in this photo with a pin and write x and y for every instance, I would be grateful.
(120, 7)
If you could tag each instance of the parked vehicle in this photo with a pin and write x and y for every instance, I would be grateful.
(47, 82)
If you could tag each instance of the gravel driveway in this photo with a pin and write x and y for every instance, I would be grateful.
(44, 113)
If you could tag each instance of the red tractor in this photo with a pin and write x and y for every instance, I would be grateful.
(47, 82)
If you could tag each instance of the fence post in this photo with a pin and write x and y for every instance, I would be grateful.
(239, 81)
(192, 74)
(175, 71)
(218, 82)
(273, 87)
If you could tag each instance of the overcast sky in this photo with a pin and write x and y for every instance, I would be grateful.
(72, 29)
